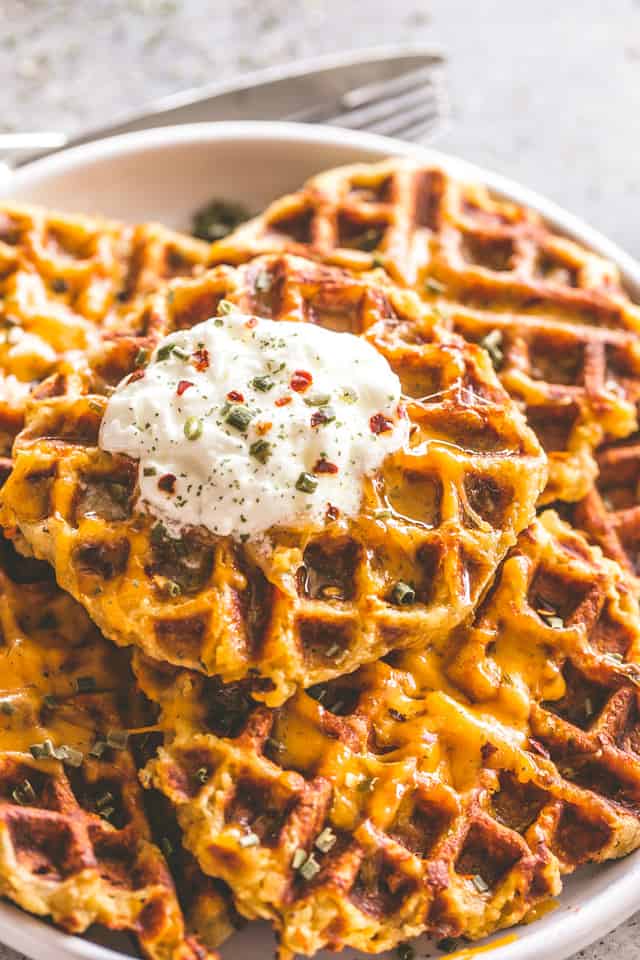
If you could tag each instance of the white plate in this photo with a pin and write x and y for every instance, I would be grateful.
(165, 175)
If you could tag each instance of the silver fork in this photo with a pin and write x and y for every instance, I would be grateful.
(410, 106)
(396, 91)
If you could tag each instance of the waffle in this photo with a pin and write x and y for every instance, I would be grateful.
(560, 328)
(610, 512)
(74, 840)
(446, 790)
(301, 605)
(64, 276)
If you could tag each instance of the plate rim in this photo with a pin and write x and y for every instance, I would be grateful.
(611, 905)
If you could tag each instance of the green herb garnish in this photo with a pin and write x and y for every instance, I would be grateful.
(306, 483)
(218, 219)
(193, 428)
(261, 450)
(239, 417)
(402, 594)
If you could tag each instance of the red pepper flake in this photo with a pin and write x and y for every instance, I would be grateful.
(200, 359)
(235, 396)
(332, 512)
(182, 386)
(264, 427)
(251, 322)
(380, 424)
(167, 483)
(301, 381)
(325, 466)
(136, 375)
(283, 401)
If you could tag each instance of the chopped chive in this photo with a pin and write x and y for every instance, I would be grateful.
(309, 868)
(326, 840)
(166, 846)
(306, 483)
(479, 883)
(149, 471)
(104, 800)
(349, 395)
(70, 756)
(434, 286)
(263, 384)
(107, 812)
(317, 400)
(202, 775)
(164, 352)
(98, 749)
(405, 951)
(367, 785)
(193, 428)
(85, 684)
(141, 357)
(492, 343)
(261, 450)
(24, 793)
(239, 417)
(173, 589)
(117, 739)
(180, 353)
(158, 534)
(225, 307)
(299, 858)
(249, 840)
(377, 260)
(402, 594)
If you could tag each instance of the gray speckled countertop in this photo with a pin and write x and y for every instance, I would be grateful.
(546, 92)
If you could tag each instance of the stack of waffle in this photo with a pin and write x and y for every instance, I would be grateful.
(279, 737)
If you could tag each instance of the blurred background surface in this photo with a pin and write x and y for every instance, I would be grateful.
(547, 92)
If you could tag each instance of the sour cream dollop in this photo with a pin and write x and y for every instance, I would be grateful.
(242, 423)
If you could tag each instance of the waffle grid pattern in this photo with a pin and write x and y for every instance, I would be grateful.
(306, 604)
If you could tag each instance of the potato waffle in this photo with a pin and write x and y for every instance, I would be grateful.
(74, 840)
(610, 512)
(62, 277)
(429, 791)
(560, 328)
(302, 605)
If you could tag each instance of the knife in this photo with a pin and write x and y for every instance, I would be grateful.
(299, 91)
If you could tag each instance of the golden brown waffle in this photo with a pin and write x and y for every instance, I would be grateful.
(74, 839)
(304, 604)
(428, 792)
(61, 277)
(610, 513)
(559, 327)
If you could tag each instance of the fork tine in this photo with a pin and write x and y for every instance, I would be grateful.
(416, 131)
(395, 124)
(371, 92)
(370, 115)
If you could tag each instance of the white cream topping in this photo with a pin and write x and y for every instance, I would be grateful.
(231, 436)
